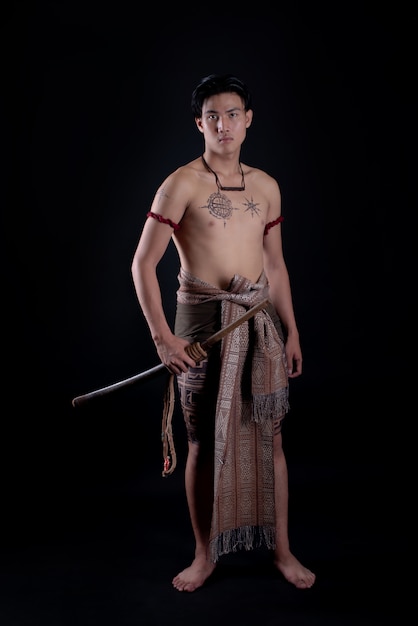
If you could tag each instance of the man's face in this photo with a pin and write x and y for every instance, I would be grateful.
(224, 121)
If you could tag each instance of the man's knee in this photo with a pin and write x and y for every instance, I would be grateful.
(277, 425)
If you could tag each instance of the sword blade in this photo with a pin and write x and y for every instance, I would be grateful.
(146, 375)
(158, 369)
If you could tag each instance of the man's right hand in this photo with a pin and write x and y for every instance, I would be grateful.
(173, 355)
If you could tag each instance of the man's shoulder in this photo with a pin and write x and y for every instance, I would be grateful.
(186, 173)
(259, 176)
(189, 169)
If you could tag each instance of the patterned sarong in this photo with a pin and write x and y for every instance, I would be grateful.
(253, 392)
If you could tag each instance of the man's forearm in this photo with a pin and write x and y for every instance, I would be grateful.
(149, 297)
(281, 296)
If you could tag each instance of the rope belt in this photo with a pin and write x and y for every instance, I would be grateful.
(196, 352)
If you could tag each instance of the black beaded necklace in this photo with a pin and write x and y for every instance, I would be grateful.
(242, 188)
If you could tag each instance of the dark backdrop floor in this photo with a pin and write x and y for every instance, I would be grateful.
(96, 534)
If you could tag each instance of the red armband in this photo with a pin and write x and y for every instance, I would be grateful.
(273, 223)
(163, 220)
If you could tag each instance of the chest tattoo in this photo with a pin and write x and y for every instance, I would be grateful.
(252, 206)
(220, 206)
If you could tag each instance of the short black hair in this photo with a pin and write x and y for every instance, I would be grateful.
(215, 84)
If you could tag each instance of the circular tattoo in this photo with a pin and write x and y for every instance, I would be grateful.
(220, 206)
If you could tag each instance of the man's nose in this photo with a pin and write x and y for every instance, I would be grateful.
(223, 125)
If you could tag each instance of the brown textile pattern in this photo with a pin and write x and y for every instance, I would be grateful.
(198, 401)
(253, 392)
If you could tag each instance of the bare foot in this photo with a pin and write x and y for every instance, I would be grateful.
(193, 576)
(295, 572)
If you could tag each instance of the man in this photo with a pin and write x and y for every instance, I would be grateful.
(224, 218)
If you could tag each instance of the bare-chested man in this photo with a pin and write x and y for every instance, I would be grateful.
(225, 220)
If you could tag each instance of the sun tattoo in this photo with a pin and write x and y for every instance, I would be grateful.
(220, 206)
(252, 206)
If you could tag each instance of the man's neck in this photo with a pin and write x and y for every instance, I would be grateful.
(226, 165)
(229, 183)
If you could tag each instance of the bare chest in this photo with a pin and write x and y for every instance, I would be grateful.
(228, 210)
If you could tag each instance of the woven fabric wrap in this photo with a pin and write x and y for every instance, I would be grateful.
(253, 391)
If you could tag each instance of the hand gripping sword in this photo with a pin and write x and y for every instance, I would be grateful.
(196, 350)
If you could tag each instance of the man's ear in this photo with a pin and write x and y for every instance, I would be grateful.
(248, 118)
(198, 121)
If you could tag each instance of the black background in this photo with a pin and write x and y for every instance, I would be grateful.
(96, 113)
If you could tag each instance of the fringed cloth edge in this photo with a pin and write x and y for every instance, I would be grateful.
(243, 538)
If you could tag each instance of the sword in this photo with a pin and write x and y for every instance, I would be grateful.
(197, 351)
